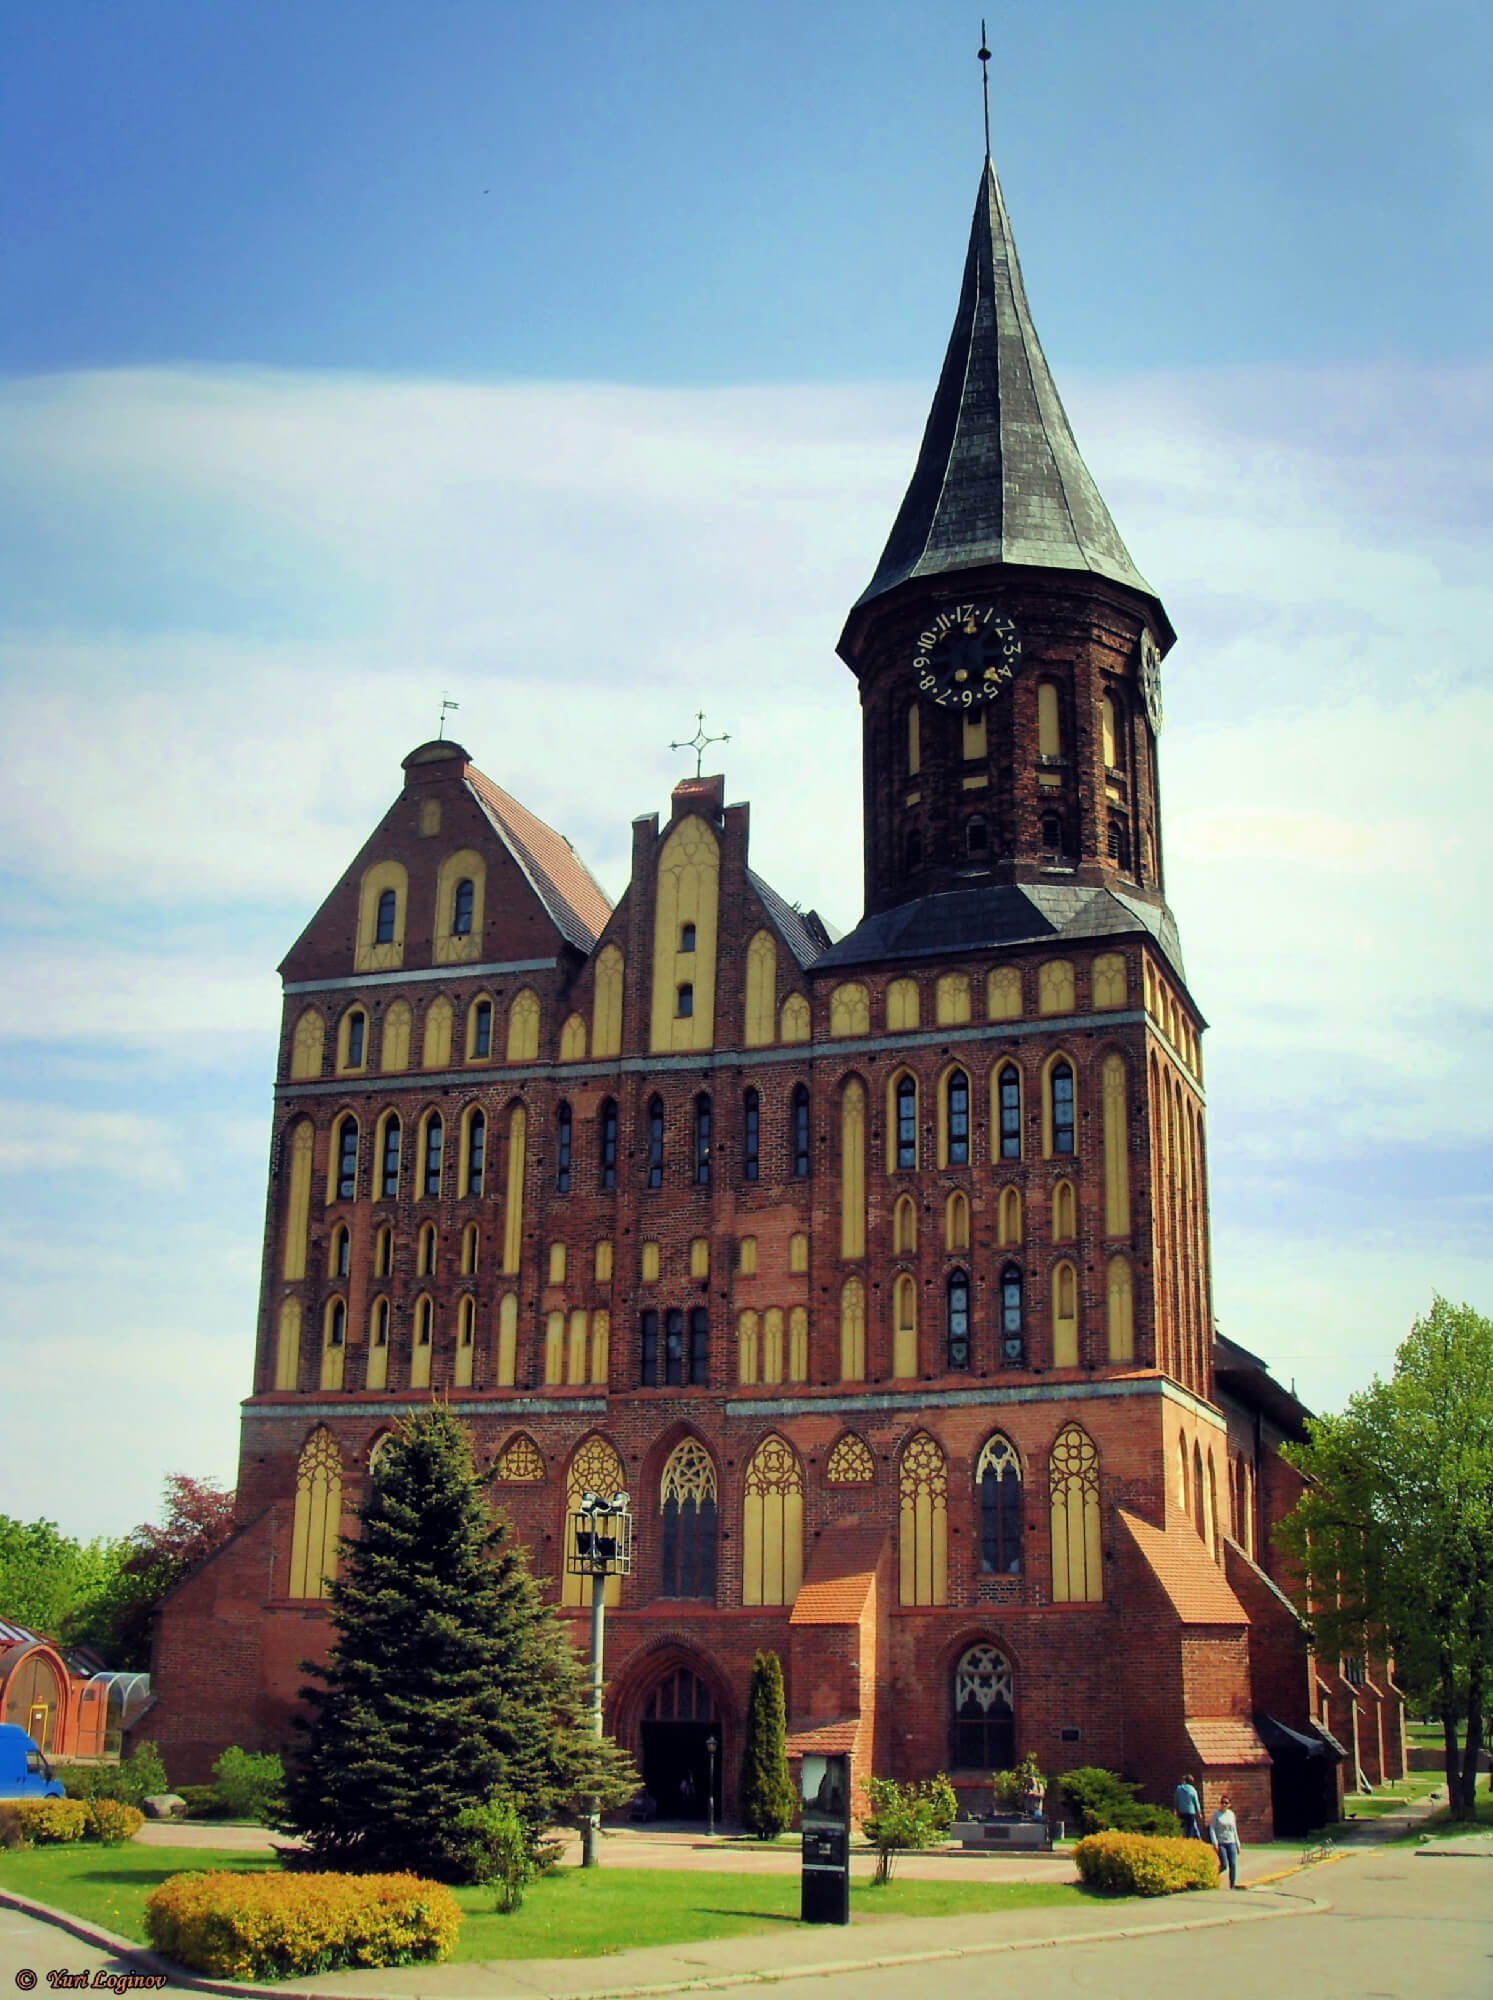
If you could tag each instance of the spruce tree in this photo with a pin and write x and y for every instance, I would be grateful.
(450, 1682)
(764, 1796)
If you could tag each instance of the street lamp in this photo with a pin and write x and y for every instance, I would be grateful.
(711, 1746)
(600, 1547)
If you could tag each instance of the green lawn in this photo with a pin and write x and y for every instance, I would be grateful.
(574, 1913)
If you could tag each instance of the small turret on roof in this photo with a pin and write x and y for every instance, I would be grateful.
(999, 479)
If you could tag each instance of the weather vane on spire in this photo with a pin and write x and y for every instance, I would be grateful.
(447, 707)
(699, 742)
(985, 84)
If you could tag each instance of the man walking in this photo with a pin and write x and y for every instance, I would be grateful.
(1189, 1808)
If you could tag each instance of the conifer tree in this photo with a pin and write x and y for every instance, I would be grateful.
(765, 1797)
(450, 1682)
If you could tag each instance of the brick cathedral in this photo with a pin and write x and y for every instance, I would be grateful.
(874, 1268)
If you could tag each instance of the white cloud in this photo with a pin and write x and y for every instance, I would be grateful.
(39, 1138)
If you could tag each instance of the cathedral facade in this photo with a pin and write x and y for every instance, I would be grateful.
(875, 1268)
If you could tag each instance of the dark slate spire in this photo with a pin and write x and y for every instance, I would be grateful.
(999, 478)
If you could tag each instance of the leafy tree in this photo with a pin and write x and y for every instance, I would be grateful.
(51, 1583)
(764, 1796)
(1394, 1534)
(154, 1559)
(451, 1685)
(903, 1818)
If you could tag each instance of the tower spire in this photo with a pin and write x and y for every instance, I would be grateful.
(985, 84)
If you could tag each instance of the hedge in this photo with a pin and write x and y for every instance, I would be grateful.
(47, 1820)
(112, 1821)
(1137, 1864)
(274, 1925)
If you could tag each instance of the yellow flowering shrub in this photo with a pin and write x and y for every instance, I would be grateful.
(272, 1925)
(45, 1820)
(1143, 1864)
(112, 1821)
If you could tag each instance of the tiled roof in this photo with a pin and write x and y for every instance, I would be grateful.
(567, 888)
(1191, 1579)
(824, 1739)
(1226, 1739)
(803, 931)
(964, 920)
(841, 1573)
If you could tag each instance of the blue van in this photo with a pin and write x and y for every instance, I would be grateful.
(24, 1772)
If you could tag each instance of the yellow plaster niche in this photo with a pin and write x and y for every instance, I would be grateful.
(650, 1263)
(850, 1010)
(689, 869)
(557, 1264)
(772, 1344)
(318, 1517)
(604, 1262)
(307, 1046)
(772, 1556)
(595, 1468)
(905, 1227)
(901, 1005)
(761, 991)
(798, 1251)
(956, 1222)
(368, 954)
(298, 1199)
(601, 1348)
(430, 818)
(850, 1463)
(435, 1051)
(923, 1524)
(853, 1169)
(513, 1210)
(394, 1047)
(798, 1344)
(973, 738)
(914, 742)
(577, 1346)
(1055, 987)
(1009, 1218)
(424, 1342)
(377, 1376)
(606, 1005)
(523, 1027)
(451, 948)
(1116, 1148)
(904, 1327)
(1121, 1310)
(1073, 1482)
(1003, 994)
(1049, 726)
(852, 1331)
(466, 1343)
(288, 1346)
(573, 1040)
(795, 1018)
(978, 783)
(748, 1349)
(952, 1000)
(699, 1257)
(507, 1340)
(1064, 1317)
(746, 1256)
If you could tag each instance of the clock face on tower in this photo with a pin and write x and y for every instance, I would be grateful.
(966, 655)
(1150, 680)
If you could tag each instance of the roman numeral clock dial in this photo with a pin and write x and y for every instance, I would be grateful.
(966, 656)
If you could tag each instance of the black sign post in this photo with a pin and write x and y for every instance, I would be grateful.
(825, 1897)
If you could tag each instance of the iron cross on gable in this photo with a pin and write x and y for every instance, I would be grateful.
(699, 742)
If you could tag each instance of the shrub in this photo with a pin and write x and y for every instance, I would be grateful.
(250, 1785)
(113, 1822)
(901, 1820)
(943, 1800)
(274, 1925)
(1104, 1802)
(499, 1849)
(138, 1777)
(12, 1833)
(51, 1820)
(201, 1801)
(1136, 1864)
(1013, 1788)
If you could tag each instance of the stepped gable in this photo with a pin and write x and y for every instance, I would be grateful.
(567, 888)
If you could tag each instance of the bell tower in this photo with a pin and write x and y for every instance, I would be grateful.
(1007, 648)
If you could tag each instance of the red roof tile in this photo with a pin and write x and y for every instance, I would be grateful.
(1226, 1740)
(1191, 1579)
(841, 1573)
(569, 891)
(824, 1738)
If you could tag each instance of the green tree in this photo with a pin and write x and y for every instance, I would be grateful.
(903, 1818)
(450, 1684)
(764, 1797)
(50, 1583)
(1394, 1534)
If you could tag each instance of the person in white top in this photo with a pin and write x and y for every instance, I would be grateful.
(1223, 1831)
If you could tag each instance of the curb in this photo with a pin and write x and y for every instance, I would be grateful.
(1285, 1874)
(173, 1975)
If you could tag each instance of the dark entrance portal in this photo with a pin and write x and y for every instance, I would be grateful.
(677, 1721)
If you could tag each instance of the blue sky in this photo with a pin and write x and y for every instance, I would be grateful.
(576, 361)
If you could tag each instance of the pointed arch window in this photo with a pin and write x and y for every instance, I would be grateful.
(923, 1517)
(958, 1319)
(356, 1044)
(904, 1327)
(334, 1344)
(702, 1139)
(1008, 1096)
(655, 1142)
(462, 905)
(998, 1478)
(435, 1139)
(751, 1135)
(984, 1729)
(956, 1222)
(905, 1227)
(1061, 1085)
(481, 1038)
(318, 1517)
(388, 1176)
(341, 1252)
(471, 1244)
(687, 1530)
(606, 1143)
(956, 1104)
(772, 1557)
(378, 1345)
(383, 1253)
(563, 1127)
(425, 1253)
(850, 1463)
(906, 1100)
(346, 1153)
(476, 1160)
(1013, 1339)
(798, 1120)
(1077, 1567)
(595, 1468)
(388, 910)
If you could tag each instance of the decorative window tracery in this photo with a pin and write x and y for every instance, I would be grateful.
(318, 1517)
(998, 1478)
(595, 1468)
(923, 1486)
(772, 1524)
(687, 1539)
(520, 1462)
(850, 1463)
(1077, 1568)
(984, 1728)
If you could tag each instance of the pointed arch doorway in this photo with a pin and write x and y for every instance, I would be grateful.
(678, 1717)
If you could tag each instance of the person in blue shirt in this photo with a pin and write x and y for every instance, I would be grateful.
(1189, 1808)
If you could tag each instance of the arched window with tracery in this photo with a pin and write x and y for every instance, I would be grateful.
(957, 1348)
(687, 1530)
(923, 1524)
(850, 1463)
(595, 1468)
(956, 1119)
(1013, 1337)
(984, 1730)
(1008, 1110)
(318, 1517)
(520, 1462)
(1077, 1566)
(772, 1555)
(905, 1125)
(998, 1478)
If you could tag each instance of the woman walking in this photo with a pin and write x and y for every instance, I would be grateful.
(1223, 1831)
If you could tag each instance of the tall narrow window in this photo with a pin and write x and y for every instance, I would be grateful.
(798, 1118)
(687, 1529)
(1073, 1478)
(341, 1255)
(435, 1137)
(420, 1351)
(904, 1227)
(388, 1179)
(984, 1731)
(685, 1000)
(958, 1317)
(318, 1517)
(904, 1327)
(383, 1253)
(1062, 1107)
(957, 1112)
(675, 1348)
(425, 1251)
(562, 1149)
(347, 1160)
(481, 1029)
(476, 1151)
(388, 904)
(378, 1346)
(772, 1527)
(923, 1524)
(686, 937)
(699, 1344)
(998, 1476)
(606, 1141)
(655, 1142)
(1008, 1091)
(751, 1135)
(471, 1244)
(462, 906)
(976, 838)
(702, 1140)
(1013, 1343)
(907, 1122)
(357, 1038)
